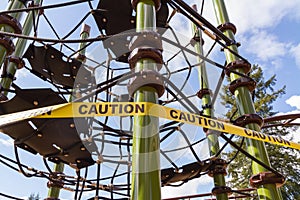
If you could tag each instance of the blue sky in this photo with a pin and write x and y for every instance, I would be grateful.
(269, 35)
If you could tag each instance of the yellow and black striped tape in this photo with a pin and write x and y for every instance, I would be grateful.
(83, 109)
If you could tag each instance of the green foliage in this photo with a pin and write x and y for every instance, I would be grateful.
(283, 159)
(34, 197)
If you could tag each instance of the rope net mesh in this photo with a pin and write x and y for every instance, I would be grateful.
(96, 69)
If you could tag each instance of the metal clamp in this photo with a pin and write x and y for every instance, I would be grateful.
(246, 119)
(197, 39)
(145, 52)
(218, 166)
(56, 180)
(207, 106)
(8, 44)
(146, 78)
(242, 82)
(221, 190)
(157, 4)
(17, 60)
(238, 64)
(33, 5)
(267, 178)
(202, 92)
(81, 57)
(12, 22)
(227, 26)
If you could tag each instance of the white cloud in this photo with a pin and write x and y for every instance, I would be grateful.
(294, 101)
(254, 21)
(250, 15)
(295, 52)
(266, 46)
(190, 188)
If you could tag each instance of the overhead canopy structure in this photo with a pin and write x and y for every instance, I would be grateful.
(115, 17)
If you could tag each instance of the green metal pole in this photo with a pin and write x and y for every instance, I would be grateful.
(14, 4)
(213, 143)
(146, 146)
(246, 106)
(20, 47)
(53, 192)
(85, 33)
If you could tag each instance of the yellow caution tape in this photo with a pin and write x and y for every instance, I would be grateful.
(19, 116)
(82, 109)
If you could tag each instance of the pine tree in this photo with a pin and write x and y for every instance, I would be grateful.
(285, 160)
(34, 197)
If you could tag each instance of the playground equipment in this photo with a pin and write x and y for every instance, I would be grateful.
(146, 117)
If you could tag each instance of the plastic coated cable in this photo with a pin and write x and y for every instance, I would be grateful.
(83, 183)
(202, 7)
(249, 155)
(183, 102)
(8, 165)
(43, 7)
(43, 40)
(10, 197)
(181, 4)
(223, 147)
(189, 145)
(237, 152)
(203, 57)
(101, 38)
(20, 165)
(98, 179)
(214, 29)
(77, 184)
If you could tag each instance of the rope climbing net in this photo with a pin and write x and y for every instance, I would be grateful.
(98, 67)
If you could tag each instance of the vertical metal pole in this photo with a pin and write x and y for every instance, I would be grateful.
(20, 47)
(85, 33)
(246, 106)
(213, 143)
(146, 146)
(14, 4)
(53, 192)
